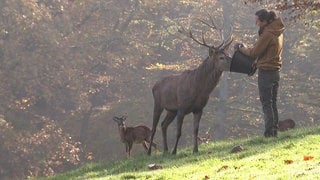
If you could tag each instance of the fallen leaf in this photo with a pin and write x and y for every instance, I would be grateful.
(154, 166)
(307, 158)
(206, 177)
(237, 167)
(223, 168)
(288, 161)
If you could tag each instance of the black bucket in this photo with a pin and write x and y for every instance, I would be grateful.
(242, 63)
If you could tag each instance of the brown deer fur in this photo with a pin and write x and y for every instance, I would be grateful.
(286, 125)
(188, 92)
(129, 135)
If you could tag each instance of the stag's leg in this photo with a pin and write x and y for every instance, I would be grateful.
(164, 126)
(196, 121)
(156, 116)
(180, 117)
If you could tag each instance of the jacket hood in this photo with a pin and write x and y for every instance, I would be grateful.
(276, 27)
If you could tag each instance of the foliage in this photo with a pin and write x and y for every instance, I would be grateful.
(43, 153)
(79, 63)
(305, 10)
(294, 154)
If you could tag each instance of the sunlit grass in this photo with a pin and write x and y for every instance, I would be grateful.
(293, 155)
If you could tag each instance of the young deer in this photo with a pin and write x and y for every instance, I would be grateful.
(129, 135)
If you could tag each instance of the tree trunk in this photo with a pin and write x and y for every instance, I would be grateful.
(220, 126)
(85, 125)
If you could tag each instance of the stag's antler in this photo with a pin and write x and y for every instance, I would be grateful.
(190, 35)
(213, 26)
(229, 39)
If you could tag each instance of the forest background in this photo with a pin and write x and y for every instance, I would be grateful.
(68, 66)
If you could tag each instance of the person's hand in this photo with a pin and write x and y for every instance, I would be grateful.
(254, 64)
(237, 46)
(253, 68)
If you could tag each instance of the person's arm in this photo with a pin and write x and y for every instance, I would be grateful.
(259, 47)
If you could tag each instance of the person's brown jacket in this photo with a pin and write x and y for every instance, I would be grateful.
(268, 48)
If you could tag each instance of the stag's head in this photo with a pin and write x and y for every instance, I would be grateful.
(120, 120)
(217, 54)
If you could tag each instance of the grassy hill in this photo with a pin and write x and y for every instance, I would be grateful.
(294, 154)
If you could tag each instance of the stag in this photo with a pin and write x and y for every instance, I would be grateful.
(129, 135)
(189, 91)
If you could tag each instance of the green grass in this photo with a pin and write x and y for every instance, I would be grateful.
(263, 158)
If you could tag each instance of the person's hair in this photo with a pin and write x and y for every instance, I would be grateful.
(265, 15)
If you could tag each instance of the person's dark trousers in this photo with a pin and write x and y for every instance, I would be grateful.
(268, 82)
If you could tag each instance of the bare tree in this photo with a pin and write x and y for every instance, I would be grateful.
(189, 92)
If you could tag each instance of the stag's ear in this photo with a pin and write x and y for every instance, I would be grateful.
(226, 51)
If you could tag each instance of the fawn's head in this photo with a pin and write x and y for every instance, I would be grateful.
(121, 121)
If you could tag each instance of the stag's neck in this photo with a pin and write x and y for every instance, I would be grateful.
(207, 75)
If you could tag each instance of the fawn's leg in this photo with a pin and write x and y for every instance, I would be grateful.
(145, 145)
(129, 149)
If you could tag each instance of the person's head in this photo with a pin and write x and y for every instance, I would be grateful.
(264, 17)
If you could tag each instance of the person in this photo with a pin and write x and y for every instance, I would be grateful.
(268, 51)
